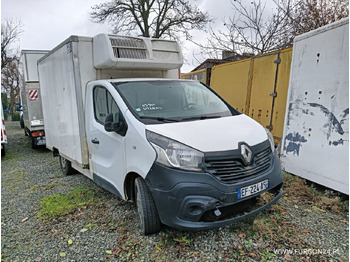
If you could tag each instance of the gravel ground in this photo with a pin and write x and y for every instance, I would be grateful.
(293, 230)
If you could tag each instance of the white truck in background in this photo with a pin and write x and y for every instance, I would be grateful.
(116, 111)
(33, 121)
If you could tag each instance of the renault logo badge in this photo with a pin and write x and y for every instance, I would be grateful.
(247, 154)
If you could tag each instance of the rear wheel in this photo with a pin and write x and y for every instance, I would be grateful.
(34, 146)
(66, 166)
(147, 211)
(3, 152)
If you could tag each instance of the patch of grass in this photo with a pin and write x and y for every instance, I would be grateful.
(184, 241)
(50, 186)
(297, 190)
(11, 157)
(14, 178)
(62, 204)
(91, 226)
(267, 255)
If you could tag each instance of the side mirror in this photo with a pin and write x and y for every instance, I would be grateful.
(118, 127)
(18, 107)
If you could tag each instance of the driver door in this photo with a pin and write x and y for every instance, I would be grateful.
(107, 149)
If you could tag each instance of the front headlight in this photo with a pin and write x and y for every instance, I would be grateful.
(174, 154)
(271, 139)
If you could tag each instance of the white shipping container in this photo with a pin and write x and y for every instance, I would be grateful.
(315, 142)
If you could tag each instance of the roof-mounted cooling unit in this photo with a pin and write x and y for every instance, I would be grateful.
(125, 52)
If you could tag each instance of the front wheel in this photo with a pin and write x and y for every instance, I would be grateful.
(147, 211)
(66, 166)
(21, 122)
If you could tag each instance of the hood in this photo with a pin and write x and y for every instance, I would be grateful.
(211, 135)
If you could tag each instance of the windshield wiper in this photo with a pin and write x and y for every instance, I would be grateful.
(199, 118)
(160, 119)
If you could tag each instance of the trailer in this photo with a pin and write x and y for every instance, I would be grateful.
(315, 142)
(32, 114)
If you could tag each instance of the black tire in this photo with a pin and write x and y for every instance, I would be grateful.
(21, 121)
(34, 146)
(149, 221)
(66, 166)
(3, 152)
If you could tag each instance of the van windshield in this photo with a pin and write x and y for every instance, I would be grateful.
(175, 100)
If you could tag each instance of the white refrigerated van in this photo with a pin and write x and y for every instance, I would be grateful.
(115, 110)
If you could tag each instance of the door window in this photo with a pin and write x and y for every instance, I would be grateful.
(104, 104)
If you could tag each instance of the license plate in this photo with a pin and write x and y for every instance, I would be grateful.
(41, 141)
(252, 189)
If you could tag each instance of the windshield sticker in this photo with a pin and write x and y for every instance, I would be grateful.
(146, 107)
(138, 109)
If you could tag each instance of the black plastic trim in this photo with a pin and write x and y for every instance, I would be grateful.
(106, 185)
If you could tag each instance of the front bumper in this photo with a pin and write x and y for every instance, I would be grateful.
(199, 201)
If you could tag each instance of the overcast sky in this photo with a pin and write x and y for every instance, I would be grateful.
(48, 22)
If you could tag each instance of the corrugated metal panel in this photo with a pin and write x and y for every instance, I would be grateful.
(257, 87)
(282, 84)
(230, 80)
(262, 84)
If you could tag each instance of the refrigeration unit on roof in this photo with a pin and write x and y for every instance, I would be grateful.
(125, 52)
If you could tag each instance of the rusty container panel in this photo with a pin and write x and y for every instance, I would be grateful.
(230, 80)
(281, 92)
(262, 86)
(315, 142)
(257, 87)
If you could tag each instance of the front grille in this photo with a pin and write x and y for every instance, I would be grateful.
(232, 169)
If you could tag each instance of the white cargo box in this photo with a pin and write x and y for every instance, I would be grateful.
(315, 142)
(66, 70)
(29, 59)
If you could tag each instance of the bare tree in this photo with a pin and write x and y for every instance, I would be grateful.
(10, 32)
(306, 15)
(253, 29)
(151, 18)
(10, 81)
(250, 30)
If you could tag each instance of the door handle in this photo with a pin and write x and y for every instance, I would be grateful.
(95, 141)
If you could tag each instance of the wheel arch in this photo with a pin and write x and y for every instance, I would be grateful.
(129, 184)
